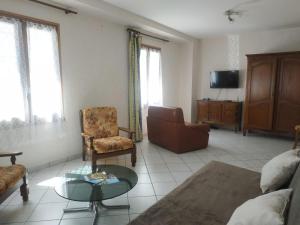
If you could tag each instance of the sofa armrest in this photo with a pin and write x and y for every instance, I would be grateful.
(130, 132)
(12, 156)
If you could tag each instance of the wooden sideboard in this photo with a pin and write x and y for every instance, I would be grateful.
(225, 113)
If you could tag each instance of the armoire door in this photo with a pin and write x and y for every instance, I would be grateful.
(259, 105)
(288, 103)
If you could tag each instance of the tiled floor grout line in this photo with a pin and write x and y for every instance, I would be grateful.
(148, 173)
(38, 203)
(169, 168)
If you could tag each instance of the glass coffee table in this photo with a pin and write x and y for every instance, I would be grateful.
(81, 186)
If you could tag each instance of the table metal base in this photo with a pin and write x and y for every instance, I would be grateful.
(94, 207)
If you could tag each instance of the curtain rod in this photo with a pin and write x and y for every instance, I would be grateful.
(148, 35)
(67, 11)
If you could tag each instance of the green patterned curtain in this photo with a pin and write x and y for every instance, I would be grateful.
(135, 111)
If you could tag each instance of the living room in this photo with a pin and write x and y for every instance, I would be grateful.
(192, 40)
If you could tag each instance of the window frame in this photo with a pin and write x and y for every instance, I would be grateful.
(150, 47)
(23, 19)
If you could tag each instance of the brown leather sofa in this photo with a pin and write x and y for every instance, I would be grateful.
(166, 128)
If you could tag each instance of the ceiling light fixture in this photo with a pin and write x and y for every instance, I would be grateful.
(236, 10)
(230, 13)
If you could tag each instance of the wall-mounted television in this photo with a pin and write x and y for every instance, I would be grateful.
(224, 79)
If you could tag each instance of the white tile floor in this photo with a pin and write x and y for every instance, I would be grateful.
(159, 172)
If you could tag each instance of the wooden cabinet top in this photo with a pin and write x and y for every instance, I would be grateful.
(274, 54)
(221, 101)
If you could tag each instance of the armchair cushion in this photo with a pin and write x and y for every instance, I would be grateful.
(112, 144)
(10, 175)
(169, 114)
(100, 122)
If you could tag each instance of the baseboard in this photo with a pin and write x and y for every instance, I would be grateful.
(52, 163)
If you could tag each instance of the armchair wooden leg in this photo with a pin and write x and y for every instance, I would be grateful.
(94, 161)
(83, 154)
(84, 149)
(133, 156)
(24, 190)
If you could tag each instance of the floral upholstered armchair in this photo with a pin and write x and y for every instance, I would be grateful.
(12, 177)
(100, 135)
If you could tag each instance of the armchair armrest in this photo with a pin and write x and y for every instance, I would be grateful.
(12, 156)
(87, 135)
(130, 132)
(90, 137)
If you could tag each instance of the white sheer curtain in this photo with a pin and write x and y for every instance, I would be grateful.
(12, 96)
(151, 81)
(30, 82)
(45, 79)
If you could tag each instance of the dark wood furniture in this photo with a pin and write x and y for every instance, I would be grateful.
(272, 101)
(227, 113)
(22, 183)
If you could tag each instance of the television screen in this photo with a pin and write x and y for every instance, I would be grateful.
(224, 79)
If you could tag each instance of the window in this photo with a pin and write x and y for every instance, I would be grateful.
(151, 80)
(30, 79)
(150, 72)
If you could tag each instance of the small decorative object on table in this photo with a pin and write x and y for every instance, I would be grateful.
(101, 177)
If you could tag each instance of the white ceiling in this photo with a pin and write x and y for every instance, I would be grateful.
(200, 18)
(104, 10)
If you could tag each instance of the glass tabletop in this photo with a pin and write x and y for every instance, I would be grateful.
(80, 185)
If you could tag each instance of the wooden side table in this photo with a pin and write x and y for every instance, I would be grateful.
(297, 136)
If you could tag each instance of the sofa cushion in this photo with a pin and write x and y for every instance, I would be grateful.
(209, 197)
(111, 144)
(293, 216)
(279, 170)
(10, 175)
(169, 114)
(268, 209)
(100, 122)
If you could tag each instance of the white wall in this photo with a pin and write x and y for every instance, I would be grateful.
(195, 79)
(188, 80)
(184, 91)
(94, 73)
(228, 52)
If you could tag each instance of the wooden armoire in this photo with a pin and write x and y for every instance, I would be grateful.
(272, 101)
